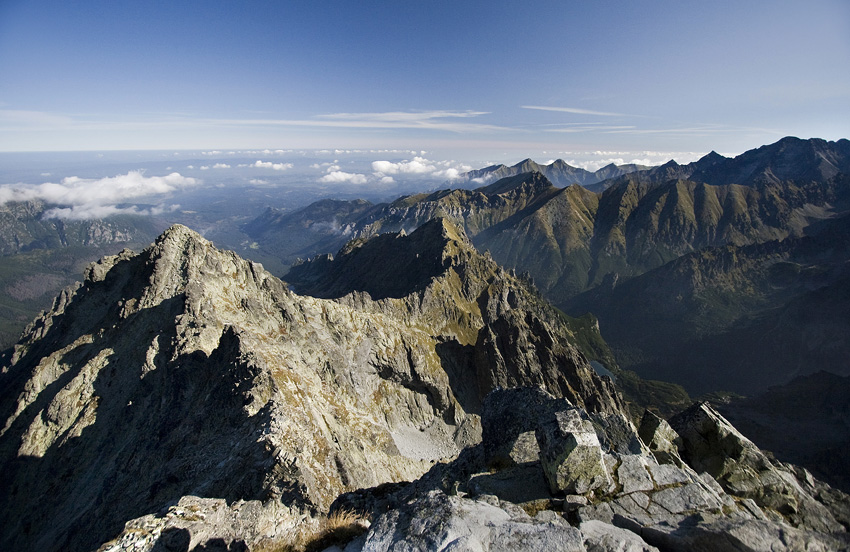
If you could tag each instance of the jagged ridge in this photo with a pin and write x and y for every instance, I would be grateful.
(185, 370)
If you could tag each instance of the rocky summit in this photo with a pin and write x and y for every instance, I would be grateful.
(187, 384)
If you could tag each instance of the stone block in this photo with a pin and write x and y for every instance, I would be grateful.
(570, 454)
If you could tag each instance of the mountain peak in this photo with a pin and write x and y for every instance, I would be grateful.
(362, 264)
(713, 156)
(533, 179)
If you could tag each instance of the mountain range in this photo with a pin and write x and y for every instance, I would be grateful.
(578, 245)
(412, 377)
(183, 398)
(559, 172)
(723, 275)
(185, 370)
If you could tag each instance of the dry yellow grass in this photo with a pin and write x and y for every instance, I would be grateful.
(339, 528)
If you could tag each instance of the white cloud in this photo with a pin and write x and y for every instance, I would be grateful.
(418, 165)
(574, 110)
(449, 174)
(258, 182)
(340, 177)
(324, 165)
(221, 166)
(87, 212)
(269, 165)
(387, 180)
(80, 198)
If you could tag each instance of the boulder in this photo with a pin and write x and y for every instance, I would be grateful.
(570, 454)
(508, 432)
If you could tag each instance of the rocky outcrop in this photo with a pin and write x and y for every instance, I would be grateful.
(650, 505)
(208, 524)
(440, 522)
(187, 371)
(712, 445)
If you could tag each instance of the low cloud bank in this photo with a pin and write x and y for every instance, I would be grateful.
(419, 166)
(82, 198)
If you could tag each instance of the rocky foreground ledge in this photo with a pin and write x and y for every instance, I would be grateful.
(548, 476)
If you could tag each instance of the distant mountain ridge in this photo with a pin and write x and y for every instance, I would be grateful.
(789, 159)
(23, 228)
(559, 172)
(573, 241)
(39, 256)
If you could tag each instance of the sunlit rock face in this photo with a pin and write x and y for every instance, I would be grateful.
(186, 371)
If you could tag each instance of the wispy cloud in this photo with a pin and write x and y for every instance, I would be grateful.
(588, 128)
(19, 119)
(575, 110)
(692, 130)
(455, 121)
(83, 198)
(403, 116)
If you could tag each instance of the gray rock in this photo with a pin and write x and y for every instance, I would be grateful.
(197, 522)
(617, 433)
(603, 537)
(662, 440)
(668, 474)
(723, 535)
(440, 522)
(633, 475)
(517, 484)
(570, 454)
(692, 497)
(711, 444)
(508, 432)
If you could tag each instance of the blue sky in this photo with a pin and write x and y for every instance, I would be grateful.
(518, 77)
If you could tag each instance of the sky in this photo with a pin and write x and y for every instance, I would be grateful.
(466, 79)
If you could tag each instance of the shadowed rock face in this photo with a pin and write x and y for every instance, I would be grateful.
(711, 444)
(185, 370)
